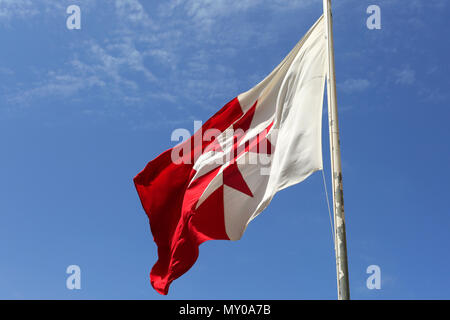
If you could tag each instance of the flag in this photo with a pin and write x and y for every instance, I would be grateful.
(212, 185)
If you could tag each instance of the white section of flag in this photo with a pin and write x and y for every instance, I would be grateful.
(291, 97)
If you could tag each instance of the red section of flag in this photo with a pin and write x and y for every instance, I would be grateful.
(233, 178)
(177, 228)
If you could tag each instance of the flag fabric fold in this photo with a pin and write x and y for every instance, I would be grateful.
(212, 185)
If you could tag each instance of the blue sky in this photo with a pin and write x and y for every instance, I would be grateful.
(83, 111)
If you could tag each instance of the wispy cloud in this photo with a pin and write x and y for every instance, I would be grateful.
(101, 62)
(56, 84)
(204, 13)
(10, 9)
(175, 52)
(132, 11)
(354, 85)
(127, 56)
(26, 9)
(405, 76)
(6, 71)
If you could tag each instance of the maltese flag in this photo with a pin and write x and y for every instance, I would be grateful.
(213, 184)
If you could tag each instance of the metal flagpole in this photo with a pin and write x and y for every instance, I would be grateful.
(340, 241)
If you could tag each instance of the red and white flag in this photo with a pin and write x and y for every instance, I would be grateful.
(212, 185)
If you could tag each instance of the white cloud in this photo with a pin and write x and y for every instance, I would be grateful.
(26, 9)
(10, 9)
(57, 84)
(405, 76)
(178, 39)
(354, 85)
(126, 57)
(102, 62)
(132, 11)
(6, 71)
(205, 12)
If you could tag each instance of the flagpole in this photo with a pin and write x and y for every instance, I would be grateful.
(340, 241)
